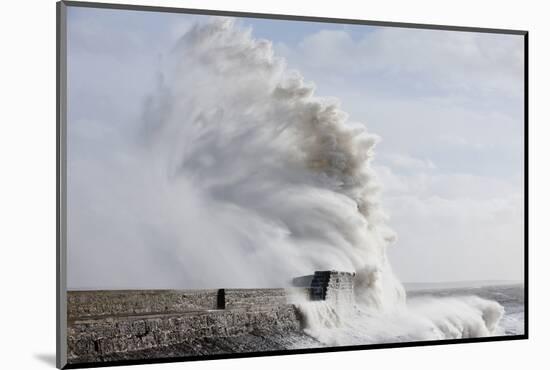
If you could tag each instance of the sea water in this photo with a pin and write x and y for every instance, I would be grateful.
(511, 297)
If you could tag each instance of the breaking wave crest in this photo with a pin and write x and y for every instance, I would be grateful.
(422, 319)
(285, 180)
(287, 172)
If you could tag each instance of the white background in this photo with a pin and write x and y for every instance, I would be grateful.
(27, 184)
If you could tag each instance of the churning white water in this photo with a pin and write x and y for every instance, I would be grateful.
(422, 318)
(288, 169)
(279, 176)
(282, 180)
(256, 139)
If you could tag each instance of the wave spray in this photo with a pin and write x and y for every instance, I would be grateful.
(277, 182)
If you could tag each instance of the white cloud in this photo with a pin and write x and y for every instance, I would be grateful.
(457, 239)
(453, 185)
(454, 226)
(426, 59)
(409, 163)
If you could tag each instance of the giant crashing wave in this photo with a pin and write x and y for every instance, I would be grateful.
(284, 182)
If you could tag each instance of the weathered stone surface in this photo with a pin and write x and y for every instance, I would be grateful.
(141, 324)
(109, 337)
(250, 298)
(131, 302)
(332, 285)
(251, 342)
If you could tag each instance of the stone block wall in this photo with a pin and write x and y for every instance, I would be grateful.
(251, 298)
(333, 286)
(126, 324)
(91, 340)
(340, 288)
(99, 303)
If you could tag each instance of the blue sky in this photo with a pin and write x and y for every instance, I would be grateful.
(447, 105)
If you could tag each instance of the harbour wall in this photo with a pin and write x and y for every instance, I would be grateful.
(137, 324)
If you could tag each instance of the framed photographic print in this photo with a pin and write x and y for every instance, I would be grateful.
(237, 184)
